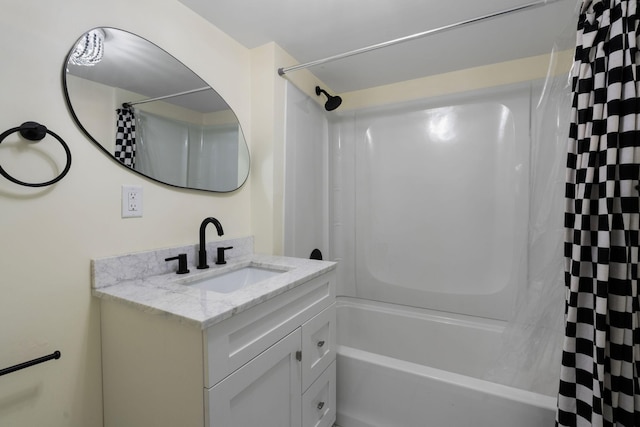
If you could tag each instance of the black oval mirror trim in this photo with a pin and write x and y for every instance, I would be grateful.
(84, 130)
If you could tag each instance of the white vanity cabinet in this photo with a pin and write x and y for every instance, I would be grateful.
(272, 365)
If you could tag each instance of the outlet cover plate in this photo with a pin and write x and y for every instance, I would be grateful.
(131, 201)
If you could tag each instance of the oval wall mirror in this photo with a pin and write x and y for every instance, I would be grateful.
(152, 114)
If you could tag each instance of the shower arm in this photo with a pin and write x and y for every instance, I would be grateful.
(282, 71)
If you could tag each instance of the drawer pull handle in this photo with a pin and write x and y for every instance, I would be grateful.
(320, 343)
(320, 406)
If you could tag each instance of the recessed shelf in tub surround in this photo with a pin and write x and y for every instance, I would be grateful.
(146, 281)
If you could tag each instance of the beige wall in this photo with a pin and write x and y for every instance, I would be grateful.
(268, 114)
(516, 71)
(48, 235)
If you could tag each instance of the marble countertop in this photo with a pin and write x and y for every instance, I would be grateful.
(163, 293)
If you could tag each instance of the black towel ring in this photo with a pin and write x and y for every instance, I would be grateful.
(35, 132)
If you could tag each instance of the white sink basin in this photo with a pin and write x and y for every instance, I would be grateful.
(234, 280)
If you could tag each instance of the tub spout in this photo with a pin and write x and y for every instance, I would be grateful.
(202, 253)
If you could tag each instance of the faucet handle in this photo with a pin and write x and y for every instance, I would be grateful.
(182, 263)
(220, 259)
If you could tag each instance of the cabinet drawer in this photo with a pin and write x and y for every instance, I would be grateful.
(319, 401)
(234, 342)
(318, 345)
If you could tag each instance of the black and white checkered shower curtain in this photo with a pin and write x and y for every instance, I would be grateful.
(126, 137)
(599, 384)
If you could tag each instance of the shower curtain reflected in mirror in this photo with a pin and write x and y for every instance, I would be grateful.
(187, 154)
(125, 150)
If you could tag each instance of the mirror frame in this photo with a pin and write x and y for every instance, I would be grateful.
(84, 130)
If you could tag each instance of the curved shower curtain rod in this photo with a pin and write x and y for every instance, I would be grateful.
(284, 70)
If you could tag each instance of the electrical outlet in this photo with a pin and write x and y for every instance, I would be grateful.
(131, 201)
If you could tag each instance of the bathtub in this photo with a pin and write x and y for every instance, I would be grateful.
(405, 367)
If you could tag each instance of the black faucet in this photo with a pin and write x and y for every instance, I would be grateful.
(202, 253)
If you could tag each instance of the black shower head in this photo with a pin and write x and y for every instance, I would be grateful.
(332, 103)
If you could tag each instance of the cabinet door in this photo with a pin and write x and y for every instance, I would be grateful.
(266, 392)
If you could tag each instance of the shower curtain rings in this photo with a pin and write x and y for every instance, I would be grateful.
(35, 132)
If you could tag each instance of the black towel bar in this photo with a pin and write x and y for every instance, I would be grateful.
(55, 355)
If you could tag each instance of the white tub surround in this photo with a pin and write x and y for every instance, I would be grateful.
(432, 199)
(150, 283)
(405, 367)
(448, 204)
(173, 354)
